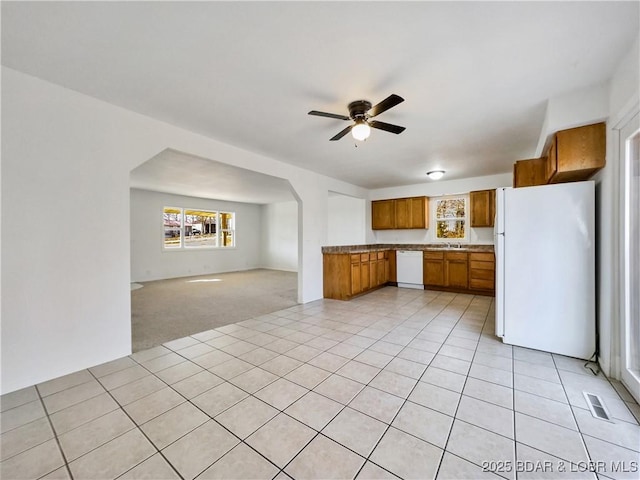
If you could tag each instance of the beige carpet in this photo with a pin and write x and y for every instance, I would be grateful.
(168, 309)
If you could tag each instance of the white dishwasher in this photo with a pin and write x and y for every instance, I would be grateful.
(409, 269)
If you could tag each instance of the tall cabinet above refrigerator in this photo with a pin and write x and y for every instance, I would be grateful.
(545, 268)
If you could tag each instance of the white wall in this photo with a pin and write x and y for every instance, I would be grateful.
(581, 107)
(436, 189)
(346, 220)
(279, 238)
(612, 101)
(149, 261)
(66, 161)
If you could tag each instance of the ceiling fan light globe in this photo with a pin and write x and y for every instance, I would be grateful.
(361, 131)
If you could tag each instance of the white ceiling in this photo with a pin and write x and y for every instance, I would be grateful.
(475, 75)
(181, 174)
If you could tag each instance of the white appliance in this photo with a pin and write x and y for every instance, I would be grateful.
(409, 269)
(545, 268)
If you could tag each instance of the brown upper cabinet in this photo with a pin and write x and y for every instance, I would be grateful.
(483, 207)
(400, 213)
(383, 214)
(527, 173)
(576, 154)
(573, 155)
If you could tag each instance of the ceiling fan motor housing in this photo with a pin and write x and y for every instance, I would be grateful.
(360, 112)
(359, 109)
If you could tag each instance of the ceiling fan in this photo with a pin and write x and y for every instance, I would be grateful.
(361, 112)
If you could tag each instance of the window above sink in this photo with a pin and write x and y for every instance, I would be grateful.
(451, 223)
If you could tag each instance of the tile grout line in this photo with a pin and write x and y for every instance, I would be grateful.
(573, 415)
(55, 434)
(345, 406)
(368, 457)
(240, 440)
(332, 373)
(419, 379)
(139, 429)
(318, 317)
(250, 395)
(455, 415)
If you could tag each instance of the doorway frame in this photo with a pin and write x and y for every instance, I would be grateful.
(626, 128)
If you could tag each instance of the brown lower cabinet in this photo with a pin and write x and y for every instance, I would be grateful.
(456, 269)
(433, 269)
(482, 272)
(346, 275)
(445, 269)
(467, 272)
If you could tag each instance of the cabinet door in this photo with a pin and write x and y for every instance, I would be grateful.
(580, 152)
(393, 271)
(456, 269)
(482, 208)
(383, 215)
(527, 173)
(373, 273)
(382, 271)
(434, 272)
(433, 268)
(356, 284)
(403, 212)
(551, 164)
(387, 265)
(419, 212)
(456, 273)
(365, 277)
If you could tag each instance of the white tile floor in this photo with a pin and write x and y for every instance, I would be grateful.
(395, 384)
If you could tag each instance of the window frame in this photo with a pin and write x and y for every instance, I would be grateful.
(465, 219)
(183, 246)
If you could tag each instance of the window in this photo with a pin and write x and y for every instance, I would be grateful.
(200, 228)
(187, 228)
(451, 218)
(227, 221)
(172, 227)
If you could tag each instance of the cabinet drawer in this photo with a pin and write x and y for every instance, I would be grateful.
(482, 274)
(355, 258)
(481, 284)
(364, 257)
(474, 265)
(456, 256)
(380, 255)
(482, 257)
(434, 255)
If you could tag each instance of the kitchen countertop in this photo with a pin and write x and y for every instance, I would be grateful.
(402, 246)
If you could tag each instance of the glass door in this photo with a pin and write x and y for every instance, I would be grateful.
(630, 156)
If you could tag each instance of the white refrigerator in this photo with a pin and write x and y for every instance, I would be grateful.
(545, 268)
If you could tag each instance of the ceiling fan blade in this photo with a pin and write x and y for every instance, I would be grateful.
(342, 133)
(330, 115)
(389, 102)
(387, 127)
